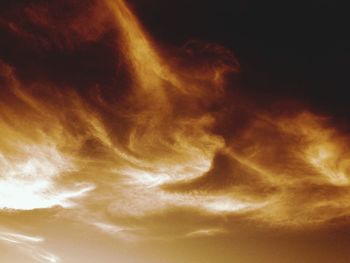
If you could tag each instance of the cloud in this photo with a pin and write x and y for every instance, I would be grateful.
(153, 135)
(28, 181)
(29, 245)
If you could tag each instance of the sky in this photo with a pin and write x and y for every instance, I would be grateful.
(152, 131)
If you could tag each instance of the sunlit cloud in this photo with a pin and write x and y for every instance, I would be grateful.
(27, 181)
(152, 141)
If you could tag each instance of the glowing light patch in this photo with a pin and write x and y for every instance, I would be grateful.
(228, 205)
(108, 228)
(162, 174)
(28, 182)
(205, 232)
(325, 157)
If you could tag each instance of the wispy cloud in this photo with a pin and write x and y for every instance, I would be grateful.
(31, 246)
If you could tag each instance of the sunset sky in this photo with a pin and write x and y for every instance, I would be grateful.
(173, 132)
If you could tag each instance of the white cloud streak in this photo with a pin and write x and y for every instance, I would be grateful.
(31, 246)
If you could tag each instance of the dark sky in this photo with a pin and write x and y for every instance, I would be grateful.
(298, 49)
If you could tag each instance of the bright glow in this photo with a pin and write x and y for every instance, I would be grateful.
(28, 182)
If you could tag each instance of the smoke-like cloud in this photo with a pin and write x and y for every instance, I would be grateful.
(147, 142)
